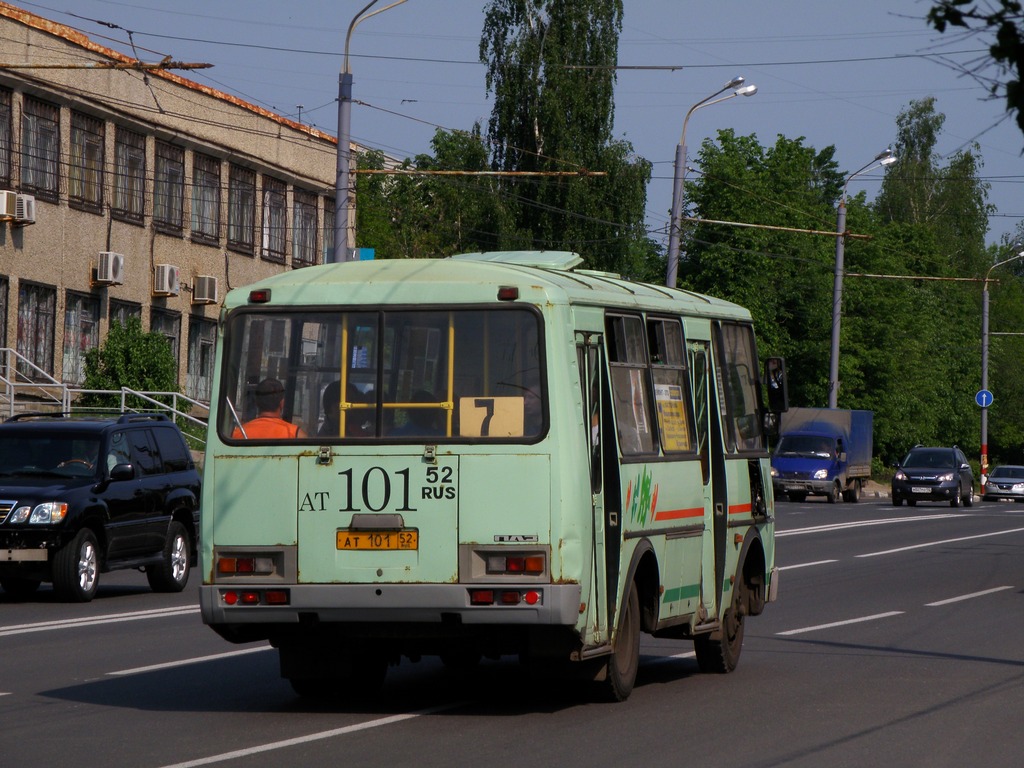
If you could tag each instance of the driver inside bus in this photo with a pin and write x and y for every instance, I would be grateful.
(268, 423)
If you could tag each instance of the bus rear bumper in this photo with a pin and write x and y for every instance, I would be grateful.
(448, 604)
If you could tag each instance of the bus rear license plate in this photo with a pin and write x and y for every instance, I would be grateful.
(378, 540)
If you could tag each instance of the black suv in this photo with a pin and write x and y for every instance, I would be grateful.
(85, 495)
(933, 474)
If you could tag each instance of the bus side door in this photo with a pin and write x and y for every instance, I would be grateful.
(606, 540)
(712, 461)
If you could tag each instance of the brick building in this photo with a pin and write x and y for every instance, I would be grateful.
(124, 193)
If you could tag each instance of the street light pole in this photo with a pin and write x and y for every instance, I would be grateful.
(881, 159)
(343, 180)
(676, 215)
(984, 365)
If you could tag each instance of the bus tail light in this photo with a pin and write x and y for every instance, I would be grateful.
(505, 597)
(528, 564)
(481, 597)
(247, 565)
(249, 597)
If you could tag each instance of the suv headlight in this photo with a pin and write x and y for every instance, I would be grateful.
(946, 477)
(899, 475)
(47, 513)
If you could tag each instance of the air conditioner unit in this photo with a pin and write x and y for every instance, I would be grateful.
(8, 204)
(110, 268)
(25, 210)
(204, 290)
(165, 280)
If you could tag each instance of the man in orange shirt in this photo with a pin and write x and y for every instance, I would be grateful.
(268, 424)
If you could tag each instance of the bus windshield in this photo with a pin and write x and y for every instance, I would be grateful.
(416, 375)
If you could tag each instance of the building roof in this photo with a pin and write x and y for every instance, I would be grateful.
(77, 38)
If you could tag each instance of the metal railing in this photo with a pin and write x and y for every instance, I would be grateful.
(20, 391)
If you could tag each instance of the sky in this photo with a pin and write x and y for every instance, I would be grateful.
(830, 73)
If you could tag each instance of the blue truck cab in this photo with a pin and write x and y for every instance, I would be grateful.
(822, 452)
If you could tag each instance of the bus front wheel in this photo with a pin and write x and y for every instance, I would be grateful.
(625, 658)
(720, 651)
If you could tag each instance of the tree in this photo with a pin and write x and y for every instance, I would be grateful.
(411, 215)
(932, 221)
(129, 358)
(1000, 19)
(784, 278)
(551, 70)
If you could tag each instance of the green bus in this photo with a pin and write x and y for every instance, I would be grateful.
(485, 455)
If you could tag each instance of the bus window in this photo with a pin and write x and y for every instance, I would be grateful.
(739, 385)
(628, 363)
(668, 366)
(396, 375)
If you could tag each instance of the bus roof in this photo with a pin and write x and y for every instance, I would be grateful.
(542, 277)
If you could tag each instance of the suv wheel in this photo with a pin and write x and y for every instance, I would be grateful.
(76, 568)
(171, 574)
(969, 498)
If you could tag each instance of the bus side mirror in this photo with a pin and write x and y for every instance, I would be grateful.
(775, 382)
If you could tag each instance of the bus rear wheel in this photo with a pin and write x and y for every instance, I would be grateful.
(625, 658)
(359, 675)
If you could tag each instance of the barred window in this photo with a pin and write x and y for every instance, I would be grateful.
(275, 219)
(129, 176)
(40, 149)
(304, 229)
(328, 238)
(81, 333)
(202, 337)
(205, 198)
(5, 138)
(122, 311)
(168, 325)
(85, 171)
(241, 209)
(37, 310)
(169, 187)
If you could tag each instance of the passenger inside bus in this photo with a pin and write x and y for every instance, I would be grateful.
(358, 421)
(268, 424)
(420, 422)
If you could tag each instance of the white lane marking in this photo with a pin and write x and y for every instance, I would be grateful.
(651, 660)
(806, 565)
(841, 623)
(939, 543)
(863, 524)
(966, 597)
(285, 743)
(110, 618)
(185, 662)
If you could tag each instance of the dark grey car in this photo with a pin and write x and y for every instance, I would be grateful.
(933, 474)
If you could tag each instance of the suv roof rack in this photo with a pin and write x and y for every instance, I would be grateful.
(120, 417)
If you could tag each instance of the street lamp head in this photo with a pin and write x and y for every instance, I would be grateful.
(736, 82)
(747, 90)
(886, 157)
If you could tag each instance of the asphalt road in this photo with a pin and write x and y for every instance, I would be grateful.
(897, 640)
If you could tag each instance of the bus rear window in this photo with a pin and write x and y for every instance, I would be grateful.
(416, 376)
